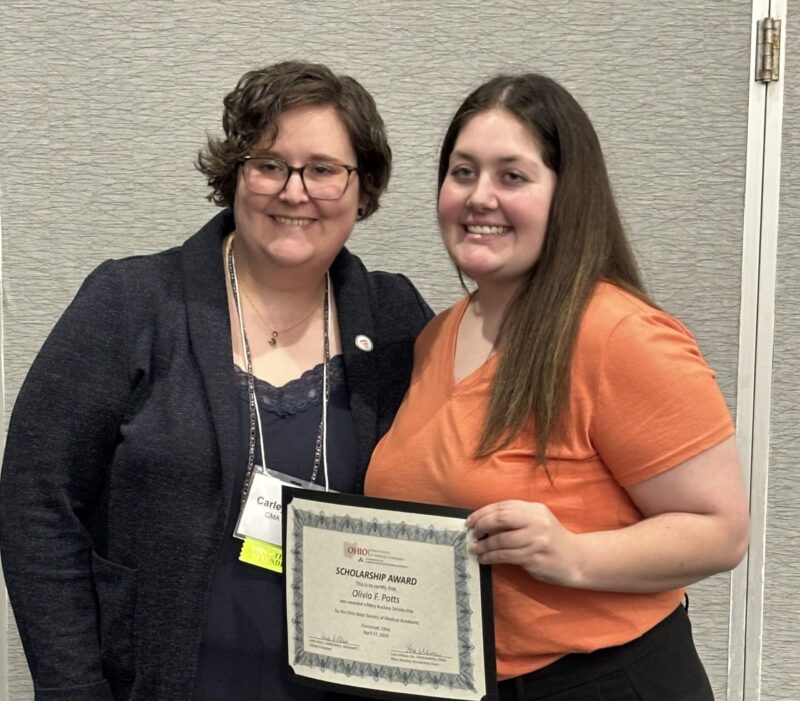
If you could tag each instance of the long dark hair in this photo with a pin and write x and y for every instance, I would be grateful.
(585, 243)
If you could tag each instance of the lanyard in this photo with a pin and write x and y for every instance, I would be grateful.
(320, 447)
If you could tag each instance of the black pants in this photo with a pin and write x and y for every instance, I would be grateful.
(662, 665)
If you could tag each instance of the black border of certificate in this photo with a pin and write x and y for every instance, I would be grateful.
(487, 622)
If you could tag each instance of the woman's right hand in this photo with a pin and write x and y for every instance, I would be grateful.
(529, 535)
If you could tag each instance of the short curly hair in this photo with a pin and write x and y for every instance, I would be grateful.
(252, 108)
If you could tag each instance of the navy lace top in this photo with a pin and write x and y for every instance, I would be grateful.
(242, 650)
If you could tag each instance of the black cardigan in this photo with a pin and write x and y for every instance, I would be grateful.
(116, 481)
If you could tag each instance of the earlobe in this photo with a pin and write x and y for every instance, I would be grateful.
(362, 206)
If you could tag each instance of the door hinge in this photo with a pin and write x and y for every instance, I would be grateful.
(768, 50)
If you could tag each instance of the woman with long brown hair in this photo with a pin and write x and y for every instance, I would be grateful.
(576, 418)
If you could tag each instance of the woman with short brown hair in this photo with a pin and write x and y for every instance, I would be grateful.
(177, 385)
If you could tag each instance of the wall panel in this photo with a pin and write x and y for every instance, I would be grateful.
(103, 106)
(780, 678)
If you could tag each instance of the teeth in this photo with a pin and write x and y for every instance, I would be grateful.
(487, 230)
(292, 222)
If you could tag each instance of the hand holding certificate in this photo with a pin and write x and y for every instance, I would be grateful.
(383, 598)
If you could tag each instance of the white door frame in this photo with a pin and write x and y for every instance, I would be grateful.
(756, 338)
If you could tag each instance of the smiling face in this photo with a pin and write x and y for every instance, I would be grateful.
(289, 229)
(494, 202)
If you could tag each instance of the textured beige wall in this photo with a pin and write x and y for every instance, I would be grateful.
(103, 106)
(780, 677)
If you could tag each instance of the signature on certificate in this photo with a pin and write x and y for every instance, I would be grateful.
(424, 651)
(340, 639)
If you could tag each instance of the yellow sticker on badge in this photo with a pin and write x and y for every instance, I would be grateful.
(261, 554)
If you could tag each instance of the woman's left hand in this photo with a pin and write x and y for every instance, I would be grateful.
(529, 535)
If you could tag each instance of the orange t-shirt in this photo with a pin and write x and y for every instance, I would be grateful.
(642, 401)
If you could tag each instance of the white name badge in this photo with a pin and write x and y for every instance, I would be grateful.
(261, 515)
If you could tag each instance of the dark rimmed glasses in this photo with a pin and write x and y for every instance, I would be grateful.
(322, 181)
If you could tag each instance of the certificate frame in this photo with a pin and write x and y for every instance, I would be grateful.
(342, 517)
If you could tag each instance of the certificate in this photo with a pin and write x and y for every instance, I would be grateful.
(383, 599)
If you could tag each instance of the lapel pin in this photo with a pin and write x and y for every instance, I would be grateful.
(364, 343)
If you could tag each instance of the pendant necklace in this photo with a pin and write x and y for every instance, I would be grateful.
(274, 333)
(320, 445)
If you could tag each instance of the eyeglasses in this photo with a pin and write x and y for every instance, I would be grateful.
(322, 181)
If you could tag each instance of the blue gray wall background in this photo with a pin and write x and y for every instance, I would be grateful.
(103, 106)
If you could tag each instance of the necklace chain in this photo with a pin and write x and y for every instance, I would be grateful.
(251, 391)
(274, 333)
